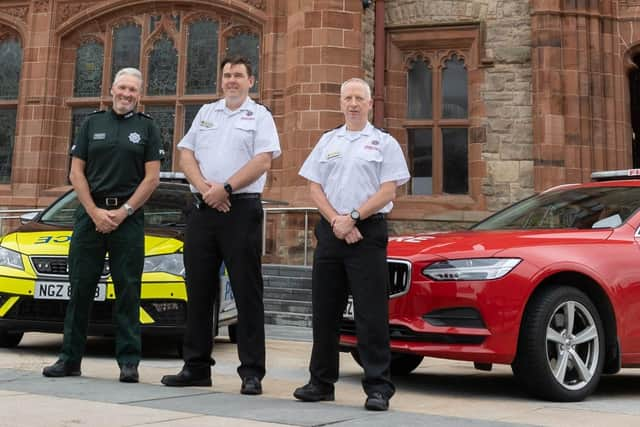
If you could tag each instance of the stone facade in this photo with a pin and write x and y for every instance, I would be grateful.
(548, 91)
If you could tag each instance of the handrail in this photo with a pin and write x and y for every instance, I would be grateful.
(306, 211)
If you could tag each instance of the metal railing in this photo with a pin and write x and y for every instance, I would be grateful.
(306, 211)
(13, 214)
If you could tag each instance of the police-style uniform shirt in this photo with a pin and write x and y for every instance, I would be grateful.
(351, 166)
(115, 148)
(223, 141)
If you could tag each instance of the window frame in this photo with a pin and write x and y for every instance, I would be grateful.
(7, 34)
(229, 26)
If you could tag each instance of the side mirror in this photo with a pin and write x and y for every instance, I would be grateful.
(28, 217)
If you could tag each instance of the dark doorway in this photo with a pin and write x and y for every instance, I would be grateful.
(634, 95)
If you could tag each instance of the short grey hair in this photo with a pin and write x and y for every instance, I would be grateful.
(128, 71)
(364, 84)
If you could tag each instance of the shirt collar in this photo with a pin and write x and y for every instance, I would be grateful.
(248, 105)
(366, 131)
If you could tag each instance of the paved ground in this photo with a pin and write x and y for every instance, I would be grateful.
(439, 393)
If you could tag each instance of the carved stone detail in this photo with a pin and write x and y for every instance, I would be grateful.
(258, 4)
(18, 11)
(41, 6)
(67, 10)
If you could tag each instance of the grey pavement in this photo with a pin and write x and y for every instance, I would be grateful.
(440, 392)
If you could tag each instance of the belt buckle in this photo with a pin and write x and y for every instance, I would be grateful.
(111, 202)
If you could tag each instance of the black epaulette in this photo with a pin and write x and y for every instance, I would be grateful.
(96, 112)
(265, 106)
(145, 115)
(337, 127)
(383, 130)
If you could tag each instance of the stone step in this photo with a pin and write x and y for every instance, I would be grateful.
(291, 319)
(291, 294)
(287, 282)
(285, 306)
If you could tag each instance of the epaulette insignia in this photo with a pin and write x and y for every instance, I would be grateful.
(381, 129)
(143, 114)
(96, 112)
(265, 106)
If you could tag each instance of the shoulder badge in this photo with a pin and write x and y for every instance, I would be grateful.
(145, 115)
(265, 106)
(381, 129)
(96, 112)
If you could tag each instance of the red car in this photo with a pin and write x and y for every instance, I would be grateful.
(549, 285)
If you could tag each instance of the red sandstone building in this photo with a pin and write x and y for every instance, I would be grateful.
(490, 101)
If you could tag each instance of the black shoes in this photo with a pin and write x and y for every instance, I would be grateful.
(376, 402)
(251, 385)
(129, 373)
(62, 369)
(313, 393)
(188, 377)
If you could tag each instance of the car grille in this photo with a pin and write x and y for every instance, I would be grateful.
(166, 312)
(57, 266)
(399, 277)
(402, 333)
(54, 310)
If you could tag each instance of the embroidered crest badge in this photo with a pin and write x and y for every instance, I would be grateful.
(134, 137)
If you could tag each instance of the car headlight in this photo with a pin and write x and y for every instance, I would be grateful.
(171, 263)
(9, 258)
(470, 269)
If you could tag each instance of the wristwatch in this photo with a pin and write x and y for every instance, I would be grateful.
(127, 207)
(355, 215)
(228, 188)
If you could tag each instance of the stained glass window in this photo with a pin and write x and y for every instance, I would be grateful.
(190, 112)
(247, 45)
(153, 22)
(164, 116)
(7, 140)
(88, 80)
(454, 89)
(419, 94)
(202, 57)
(126, 48)
(163, 68)
(10, 65)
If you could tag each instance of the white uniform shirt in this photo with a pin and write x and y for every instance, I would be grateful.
(351, 166)
(223, 141)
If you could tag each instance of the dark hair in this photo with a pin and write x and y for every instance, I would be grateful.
(236, 60)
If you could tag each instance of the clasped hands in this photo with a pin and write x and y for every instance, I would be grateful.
(217, 197)
(345, 229)
(106, 220)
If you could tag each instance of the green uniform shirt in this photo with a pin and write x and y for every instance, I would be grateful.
(115, 148)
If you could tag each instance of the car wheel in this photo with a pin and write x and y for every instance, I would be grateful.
(401, 363)
(561, 346)
(10, 339)
(233, 333)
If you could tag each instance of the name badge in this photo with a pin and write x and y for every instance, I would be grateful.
(99, 136)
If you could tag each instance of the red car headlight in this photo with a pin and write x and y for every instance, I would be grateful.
(470, 269)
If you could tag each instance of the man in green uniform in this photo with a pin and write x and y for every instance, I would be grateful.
(115, 167)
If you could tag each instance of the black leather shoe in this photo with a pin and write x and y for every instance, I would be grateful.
(313, 393)
(376, 402)
(62, 369)
(251, 385)
(129, 373)
(187, 378)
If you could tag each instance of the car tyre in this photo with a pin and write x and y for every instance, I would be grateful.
(401, 363)
(10, 339)
(561, 346)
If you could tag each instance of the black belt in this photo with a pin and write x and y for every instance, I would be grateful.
(372, 218)
(109, 202)
(200, 203)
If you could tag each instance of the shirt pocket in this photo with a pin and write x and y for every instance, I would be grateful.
(369, 155)
(205, 138)
(242, 135)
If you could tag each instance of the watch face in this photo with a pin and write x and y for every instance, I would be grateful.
(355, 215)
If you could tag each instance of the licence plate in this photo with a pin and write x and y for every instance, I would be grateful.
(62, 290)
(348, 310)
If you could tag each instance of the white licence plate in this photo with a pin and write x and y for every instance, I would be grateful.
(62, 290)
(348, 310)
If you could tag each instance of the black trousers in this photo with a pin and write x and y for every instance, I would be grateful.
(87, 252)
(362, 268)
(235, 238)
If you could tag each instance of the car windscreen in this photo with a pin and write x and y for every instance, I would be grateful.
(575, 208)
(166, 207)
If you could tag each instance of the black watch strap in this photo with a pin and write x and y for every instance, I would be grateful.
(228, 188)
